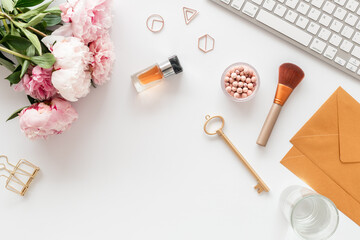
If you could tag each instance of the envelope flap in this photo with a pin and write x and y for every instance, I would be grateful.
(349, 127)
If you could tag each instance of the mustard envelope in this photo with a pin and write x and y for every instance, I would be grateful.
(326, 153)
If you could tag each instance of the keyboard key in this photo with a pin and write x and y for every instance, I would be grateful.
(356, 52)
(280, 10)
(324, 34)
(302, 22)
(340, 2)
(292, 3)
(250, 9)
(226, 1)
(356, 38)
(340, 61)
(336, 26)
(352, 5)
(351, 67)
(317, 3)
(354, 61)
(303, 8)
(346, 46)
(347, 32)
(329, 7)
(282, 1)
(325, 20)
(284, 27)
(330, 52)
(358, 25)
(340, 13)
(269, 4)
(258, 2)
(237, 4)
(291, 16)
(313, 28)
(318, 46)
(351, 19)
(335, 40)
(314, 14)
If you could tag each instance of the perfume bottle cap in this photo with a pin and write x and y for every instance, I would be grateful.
(175, 63)
(171, 67)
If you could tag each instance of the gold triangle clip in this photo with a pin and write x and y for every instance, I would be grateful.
(21, 175)
(189, 14)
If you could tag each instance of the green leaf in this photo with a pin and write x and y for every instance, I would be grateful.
(24, 68)
(29, 52)
(19, 43)
(33, 12)
(45, 61)
(16, 114)
(8, 5)
(52, 20)
(14, 31)
(33, 39)
(14, 78)
(32, 100)
(6, 62)
(28, 3)
(55, 10)
(35, 20)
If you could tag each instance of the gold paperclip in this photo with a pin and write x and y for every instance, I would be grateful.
(20, 177)
(261, 186)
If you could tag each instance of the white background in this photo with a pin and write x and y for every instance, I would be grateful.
(139, 167)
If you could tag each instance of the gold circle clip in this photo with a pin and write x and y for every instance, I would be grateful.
(208, 119)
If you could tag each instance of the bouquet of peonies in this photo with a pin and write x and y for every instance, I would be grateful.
(55, 55)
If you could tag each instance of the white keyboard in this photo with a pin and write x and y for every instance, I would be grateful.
(329, 30)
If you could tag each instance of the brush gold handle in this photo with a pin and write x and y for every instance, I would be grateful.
(269, 124)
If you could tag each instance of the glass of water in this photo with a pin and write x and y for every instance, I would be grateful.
(312, 216)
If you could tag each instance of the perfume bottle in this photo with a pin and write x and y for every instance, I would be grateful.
(153, 75)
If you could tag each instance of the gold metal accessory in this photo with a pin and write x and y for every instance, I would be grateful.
(261, 186)
(155, 23)
(206, 43)
(21, 175)
(189, 14)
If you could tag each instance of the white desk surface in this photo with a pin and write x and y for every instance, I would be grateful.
(137, 167)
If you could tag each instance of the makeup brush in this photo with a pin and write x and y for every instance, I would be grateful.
(290, 76)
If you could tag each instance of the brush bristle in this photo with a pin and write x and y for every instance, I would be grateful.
(290, 75)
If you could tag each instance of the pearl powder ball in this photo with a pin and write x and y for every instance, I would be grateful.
(240, 82)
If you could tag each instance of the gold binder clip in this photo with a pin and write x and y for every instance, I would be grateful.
(20, 177)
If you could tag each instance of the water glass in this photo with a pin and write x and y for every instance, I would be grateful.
(311, 215)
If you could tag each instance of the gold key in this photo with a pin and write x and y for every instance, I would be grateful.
(261, 186)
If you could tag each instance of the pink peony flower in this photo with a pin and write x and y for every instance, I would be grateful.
(89, 18)
(72, 77)
(37, 84)
(104, 58)
(42, 120)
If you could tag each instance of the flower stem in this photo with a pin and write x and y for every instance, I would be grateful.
(30, 28)
(37, 31)
(14, 53)
(5, 24)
